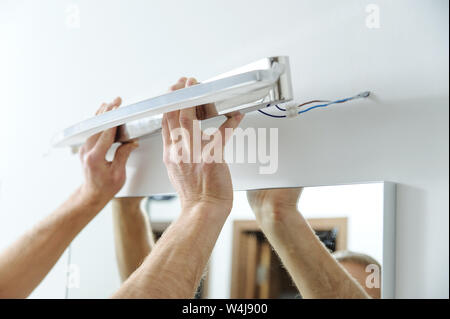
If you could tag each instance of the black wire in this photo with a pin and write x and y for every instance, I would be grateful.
(271, 115)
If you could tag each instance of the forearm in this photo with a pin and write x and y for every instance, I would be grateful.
(175, 266)
(132, 235)
(314, 270)
(27, 261)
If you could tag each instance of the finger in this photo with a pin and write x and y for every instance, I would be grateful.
(173, 117)
(179, 85)
(113, 105)
(123, 153)
(188, 115)
(173, 121)
(107, 137)
(105, 141)
(227, 127)
(100, 109)
(187, 118)
(203, 111)
(90, 142)
(231, 114)
(117, 101)
(206, 111)
(167, 139)
(165, 131)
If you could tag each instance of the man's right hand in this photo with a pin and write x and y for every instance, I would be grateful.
(196, 181)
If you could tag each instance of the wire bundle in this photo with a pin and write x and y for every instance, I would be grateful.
(325, 103)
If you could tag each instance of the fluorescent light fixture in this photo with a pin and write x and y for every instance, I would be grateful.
(254, 86)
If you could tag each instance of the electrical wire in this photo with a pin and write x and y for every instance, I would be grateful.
(306, 103)
(358, 96)
(324, 105)
(314, 101)
(271, 115)
(327, 103)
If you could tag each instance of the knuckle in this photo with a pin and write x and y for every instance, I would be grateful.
(185, 120)
(91, 158)
(201, 112)
(171, 116)
(119, 176)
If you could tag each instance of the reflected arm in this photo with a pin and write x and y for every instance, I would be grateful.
(315, 272)
(133, 236)
(176, 264)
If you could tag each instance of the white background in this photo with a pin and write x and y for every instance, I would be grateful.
(53, 74)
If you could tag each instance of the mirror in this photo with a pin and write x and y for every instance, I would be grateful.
(354, 222)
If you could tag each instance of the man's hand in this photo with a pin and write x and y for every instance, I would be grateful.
(174, 267)
(42, 245)
(103, 179)
(274, 203)
(195, 180)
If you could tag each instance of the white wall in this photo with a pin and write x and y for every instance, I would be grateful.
(53, 75)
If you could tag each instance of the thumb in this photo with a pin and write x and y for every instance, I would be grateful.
(228, 127)
(123, 152)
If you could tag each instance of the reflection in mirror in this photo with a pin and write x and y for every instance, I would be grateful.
(263, 250)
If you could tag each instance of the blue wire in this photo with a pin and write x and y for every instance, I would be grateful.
(325, 105)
